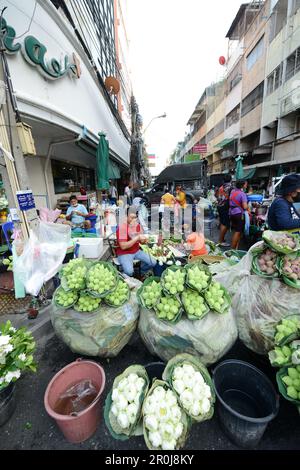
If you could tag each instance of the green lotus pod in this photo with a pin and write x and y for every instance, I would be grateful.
(287, 381)
(292, 393)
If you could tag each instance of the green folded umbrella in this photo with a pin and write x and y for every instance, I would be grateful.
(102, 158)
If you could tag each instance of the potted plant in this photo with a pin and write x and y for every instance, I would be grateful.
(16, 355)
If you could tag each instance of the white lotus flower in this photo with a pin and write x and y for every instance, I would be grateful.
(187, 398)
(121, 403)
(178, 373)
(114, 410)
(12, 375)
(4, 339)
(123, 420)
(198, 378)
(140, 384)
(170, 398)
(178, 430)
(155, 439)
(205, 406)
(175, 413)
(195, 408)
(167, 430)
(207, 391)
(159, 393)
(163, 412)
(179, 386)
(168, 445)
(22, 357)
(151, 423)
(115, 394)
(131, 392)
(122, 385)
(188, 369)
(12, 329)
(132, 378)
(132, 409)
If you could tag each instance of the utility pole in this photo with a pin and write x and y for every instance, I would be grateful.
(12, 145)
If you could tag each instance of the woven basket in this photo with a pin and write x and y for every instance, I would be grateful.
(9, 305)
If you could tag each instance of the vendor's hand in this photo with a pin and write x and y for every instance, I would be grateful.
(143, 238)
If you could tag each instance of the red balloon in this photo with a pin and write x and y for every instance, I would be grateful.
(222, 60)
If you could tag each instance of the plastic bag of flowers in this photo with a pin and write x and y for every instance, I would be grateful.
(123, 404)
(16, 348)
(193, 386)
(165, 424)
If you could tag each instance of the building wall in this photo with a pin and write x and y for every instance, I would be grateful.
(68, 102)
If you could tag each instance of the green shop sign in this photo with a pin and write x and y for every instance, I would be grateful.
(34, 52)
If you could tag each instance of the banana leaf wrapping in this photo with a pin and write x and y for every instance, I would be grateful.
(282, 387)
(108, 301)
(63, 278)
(227, 302)
(209, 338)
(271, 239)
(191, 316)
(103, 333)
(54, 298)
(184, 419)
(164, 274)
(258, 303)
(286, 277)
(255, 268)
(146, 282)
(198, 366)
(189, 267)
(112, 269)
(110, 420)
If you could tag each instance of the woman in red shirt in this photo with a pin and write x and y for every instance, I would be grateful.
(129, 237)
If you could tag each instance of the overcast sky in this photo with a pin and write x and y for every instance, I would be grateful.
(175, 46)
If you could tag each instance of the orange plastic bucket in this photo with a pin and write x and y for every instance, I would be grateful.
(81, 426)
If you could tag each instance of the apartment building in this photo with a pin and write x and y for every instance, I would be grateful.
(255, 111)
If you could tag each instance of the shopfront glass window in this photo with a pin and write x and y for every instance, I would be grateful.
(68, 178)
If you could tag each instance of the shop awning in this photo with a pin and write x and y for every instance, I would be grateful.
(224, 143)
(249, 174)
(113, 170)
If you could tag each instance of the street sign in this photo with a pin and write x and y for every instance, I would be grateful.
(200, 148)
(25, 200)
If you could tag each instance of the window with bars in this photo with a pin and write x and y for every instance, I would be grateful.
(274, 80)
(94, 20)
(292, 64)
(233, 117)
(219, 128)
(253, 99)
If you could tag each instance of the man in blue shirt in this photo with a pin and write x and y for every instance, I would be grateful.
(282, 214)
(76, 213)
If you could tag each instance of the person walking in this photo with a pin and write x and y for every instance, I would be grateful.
(128, 193)
(223, 195)
(238, 204)
(112, 193)
(282, 214)
(168, 201)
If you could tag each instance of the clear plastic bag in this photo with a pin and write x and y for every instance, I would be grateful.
(42, 256)
(258, 303)
(103, 333)
(76, 398)
(210, 338)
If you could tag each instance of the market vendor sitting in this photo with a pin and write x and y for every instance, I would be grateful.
(282, 213)
(196, 243)
(77, 213)
(129, 236)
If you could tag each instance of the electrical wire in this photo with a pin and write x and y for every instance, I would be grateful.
(30, 23)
